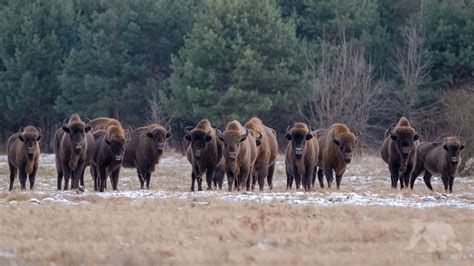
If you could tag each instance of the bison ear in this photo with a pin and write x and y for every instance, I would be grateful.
(88, 128)
(309, 136)
(39, 137)
(393, 136)
(416, 137)
(20, 137)
(208, 137)
(461, 148)
(107, 141)
(168, 135)
(187, 137)
(445, 146)
(258, 142)
(288, 136)
(66, 129)
(149, 134)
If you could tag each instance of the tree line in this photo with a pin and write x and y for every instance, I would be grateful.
(364, 63)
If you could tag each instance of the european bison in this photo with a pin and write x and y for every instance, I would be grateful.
(72, 143)
(399, 151)
(442, 158)
(144, 150)
(204, 152)
(23, 155)
(337, 145)
(109, 148)
(267, 149)
(301, 156)
(240, 151)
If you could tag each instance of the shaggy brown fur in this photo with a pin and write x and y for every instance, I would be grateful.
(267, 149)
(23, 155)
(399, 151)
(442, 158)
(240, 152)
(108, 154)
(72, 142)
(103, 123)
(204, 152)
(301, 156)
(144, 151)
(337, 146)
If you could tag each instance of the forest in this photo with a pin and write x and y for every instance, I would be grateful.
(364, 63)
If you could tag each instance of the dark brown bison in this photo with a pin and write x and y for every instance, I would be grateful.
(301, 156)
(23, 155)
(72, 149)
(337, 145)
(267, 148)
(240, 152)
(109, 149)
(204, 152)
(442, 158)
(399, 151)
(144, 150)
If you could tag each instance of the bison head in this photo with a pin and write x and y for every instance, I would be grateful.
(453, 148)
(198, 139)
(405, 138)
(30, 139)
(159, 136)
(298, 138)
(345, 142)
(232, 140)
(76, 131)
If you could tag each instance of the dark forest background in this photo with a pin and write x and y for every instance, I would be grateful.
(362, 62)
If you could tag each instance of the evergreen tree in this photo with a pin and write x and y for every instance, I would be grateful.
(240, 59)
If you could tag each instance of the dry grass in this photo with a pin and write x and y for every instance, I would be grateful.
(206, 229)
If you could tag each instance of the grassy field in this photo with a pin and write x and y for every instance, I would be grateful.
(365, 223)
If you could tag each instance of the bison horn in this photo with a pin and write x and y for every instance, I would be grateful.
(168, 128)
(288, 128)
(88, 121)
(188, 129)
(309, 128)
(65, 121)
(39, 130)
(244, 136)
(20, 130)
(259, 135)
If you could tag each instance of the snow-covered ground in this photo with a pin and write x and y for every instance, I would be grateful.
(365, 183)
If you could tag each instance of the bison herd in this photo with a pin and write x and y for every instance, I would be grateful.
(246, 154)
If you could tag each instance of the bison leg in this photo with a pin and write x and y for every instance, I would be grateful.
(315, 171)
(115, 177)
(199, 181)
(13, 172)
(338, 181)
(414, 175)
(230, 180)
(262, 173)
(32, 176)
(329, 176)
(23, 177)
(140, 177)
(271, 170)
(445, 179)
(451, 181)
(427, 179)
(102, 178)
(309, 173)
(406, 175)
(209, 172)
(289, 180)
(148, 179)
(320, 177)
(193, 177)
(394, 174)
(244, 177)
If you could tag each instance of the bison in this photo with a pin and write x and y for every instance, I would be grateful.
(23, 155)
(301, 156)
(204, 152)
(442, 157)
(72, 150)
(109, 148)
(399, 151)
(240, 152)
(267, 149)
(337, 145)
(144, 150)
